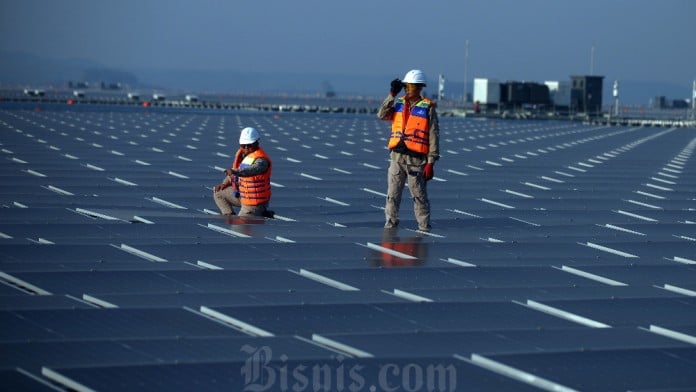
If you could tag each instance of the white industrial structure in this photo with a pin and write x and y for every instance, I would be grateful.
(486, 91)
(441, 87)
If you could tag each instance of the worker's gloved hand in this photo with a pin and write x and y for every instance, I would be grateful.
(396, 87)
(429, 171)
(229, 172)
(218, 188)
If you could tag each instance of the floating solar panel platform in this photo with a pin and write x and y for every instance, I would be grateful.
(562, 256)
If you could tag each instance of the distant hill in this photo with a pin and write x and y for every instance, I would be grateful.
(17, 68)
(257, 82)
(27, 69)
(640, 92)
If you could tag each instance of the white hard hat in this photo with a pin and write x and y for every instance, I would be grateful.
(249, 135)
(415, 76)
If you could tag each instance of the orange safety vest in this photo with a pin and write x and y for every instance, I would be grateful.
(415, 132)
(253, 190)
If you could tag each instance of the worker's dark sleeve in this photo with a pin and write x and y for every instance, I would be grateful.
(259, 166)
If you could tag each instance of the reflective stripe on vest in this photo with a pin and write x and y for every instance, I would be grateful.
(416, 132)
(255, 190)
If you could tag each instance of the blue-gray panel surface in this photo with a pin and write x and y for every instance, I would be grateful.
(308, 319)
(672, 273)
(212, 298)
(634, 311)
(443, 343)
(16, 380)
(639, 369)
(82, 324)
(23, 302)
(335, 374)
(110, 352)
(458, 277)
(172, 281)
(8, 290)
(64, 253)
(594, 220)
(541, 293)
(97, 265)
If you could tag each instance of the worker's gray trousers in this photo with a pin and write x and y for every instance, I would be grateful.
(396, 178)
(226, 199)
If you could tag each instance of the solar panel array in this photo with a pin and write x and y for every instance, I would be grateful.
(562, 256)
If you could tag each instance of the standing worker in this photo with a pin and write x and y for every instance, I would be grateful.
(247, 183)
(414, 145)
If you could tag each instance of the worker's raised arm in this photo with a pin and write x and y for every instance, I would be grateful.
(386, 110)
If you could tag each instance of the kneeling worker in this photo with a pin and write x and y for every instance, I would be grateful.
(248, 182)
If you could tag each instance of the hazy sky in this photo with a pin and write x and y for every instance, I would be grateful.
(508, 39)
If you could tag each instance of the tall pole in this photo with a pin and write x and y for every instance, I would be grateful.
(441, 87)
(466, 65)
(592, 61)
(616, 98)
(693, 100)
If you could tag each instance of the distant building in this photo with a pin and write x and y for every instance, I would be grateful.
(662, 102)
(110, 86)
(680, 104)
(518, 94)
(515, 93)
(586, 94)
(79, 85)
(659, 102)
(486, 91)
(34, 92)
(329, 91)
(559, 92)
(583, 94)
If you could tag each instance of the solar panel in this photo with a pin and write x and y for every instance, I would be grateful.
(84, 324)
(610, 369)
(229, 376)
(561, 254)
(159, 281)
(13, 301)
(391, 317)
(444, 343)
(113, 352)
(231, 298)
(660, 274)
(573, 292)
(458, 277)
(637, 312)
(20, 380)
